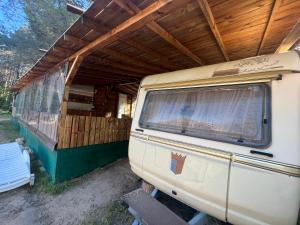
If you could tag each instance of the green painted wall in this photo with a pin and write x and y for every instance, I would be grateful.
(65, 164)
(74, 162)
(47, 156)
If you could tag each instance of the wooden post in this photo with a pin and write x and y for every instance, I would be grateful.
(64, 106)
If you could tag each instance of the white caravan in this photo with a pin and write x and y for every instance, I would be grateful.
(224, 139)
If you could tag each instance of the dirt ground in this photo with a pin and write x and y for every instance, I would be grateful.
(96, 190)
(89, 200)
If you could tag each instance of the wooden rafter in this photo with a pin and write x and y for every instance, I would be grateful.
(64, 106)
(62, 50)
(275, 8)
(85, 75)
(291, 39)
(93, 25)
(53, 58)
(73, 39)
(74, 9)
(116, 65)
(133, 44)
(111, 34)
(88, 49)
(149, 51)
(105, 69)
(132, 60)
(132, 9)
(73, 70)
(205, 8)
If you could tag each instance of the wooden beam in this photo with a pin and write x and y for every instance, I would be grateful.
(73, 70)
(73, 39)
(64, 106)
(88, 49)
(52, 58)
(93, 25)
(205, 8)
(132, 9)
(131, 60)
(75, 9)
(100, 76)
(118, 55)
(291, 39)
(275, 8)
(106, 69)
(59, 49)
(151, 52)
(117, 65)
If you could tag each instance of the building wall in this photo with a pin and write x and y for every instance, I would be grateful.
(106, 102)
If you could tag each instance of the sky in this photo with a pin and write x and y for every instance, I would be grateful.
(10, 20)
(11, 23)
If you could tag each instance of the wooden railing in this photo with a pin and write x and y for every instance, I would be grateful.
(89, 130)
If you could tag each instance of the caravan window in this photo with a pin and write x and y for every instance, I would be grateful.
(237, 114)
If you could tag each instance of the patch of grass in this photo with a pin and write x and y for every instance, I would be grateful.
(5, 113)
(113, 214)
(8, 132)
(43, 181)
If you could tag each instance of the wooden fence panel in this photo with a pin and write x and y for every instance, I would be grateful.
(87, 130)
(90, 130)
(68, 130)
(81, 129)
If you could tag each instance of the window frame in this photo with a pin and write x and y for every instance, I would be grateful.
(266, 120)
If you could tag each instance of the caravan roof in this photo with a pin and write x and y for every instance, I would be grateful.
(284, 62)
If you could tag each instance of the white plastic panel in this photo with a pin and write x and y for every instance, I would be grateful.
(258, 196)
(201, 182)
(14, 167)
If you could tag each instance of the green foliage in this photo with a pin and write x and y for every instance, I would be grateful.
(5, 99)
(45, 21)
(8, 133)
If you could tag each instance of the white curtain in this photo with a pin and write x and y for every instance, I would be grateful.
(229, 113)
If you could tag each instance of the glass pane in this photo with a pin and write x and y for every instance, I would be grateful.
(228, 113)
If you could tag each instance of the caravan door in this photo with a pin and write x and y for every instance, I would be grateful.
(180, 128)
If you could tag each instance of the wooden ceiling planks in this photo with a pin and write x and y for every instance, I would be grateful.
(285, 19)
(173, 37)
(291, 39)
(276, 5)
(241, 24)
(132, 9)
(205, 8)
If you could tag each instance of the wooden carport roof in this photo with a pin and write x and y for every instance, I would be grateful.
(121, 41)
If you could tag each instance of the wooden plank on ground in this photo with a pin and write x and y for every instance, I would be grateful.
(151, 210)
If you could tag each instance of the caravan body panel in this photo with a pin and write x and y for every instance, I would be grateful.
(235, 182)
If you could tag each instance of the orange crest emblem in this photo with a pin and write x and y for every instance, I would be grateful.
(177, 162)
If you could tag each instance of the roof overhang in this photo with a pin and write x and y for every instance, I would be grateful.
(121, 41)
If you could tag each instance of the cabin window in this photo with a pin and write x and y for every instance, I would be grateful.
(238, 114)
